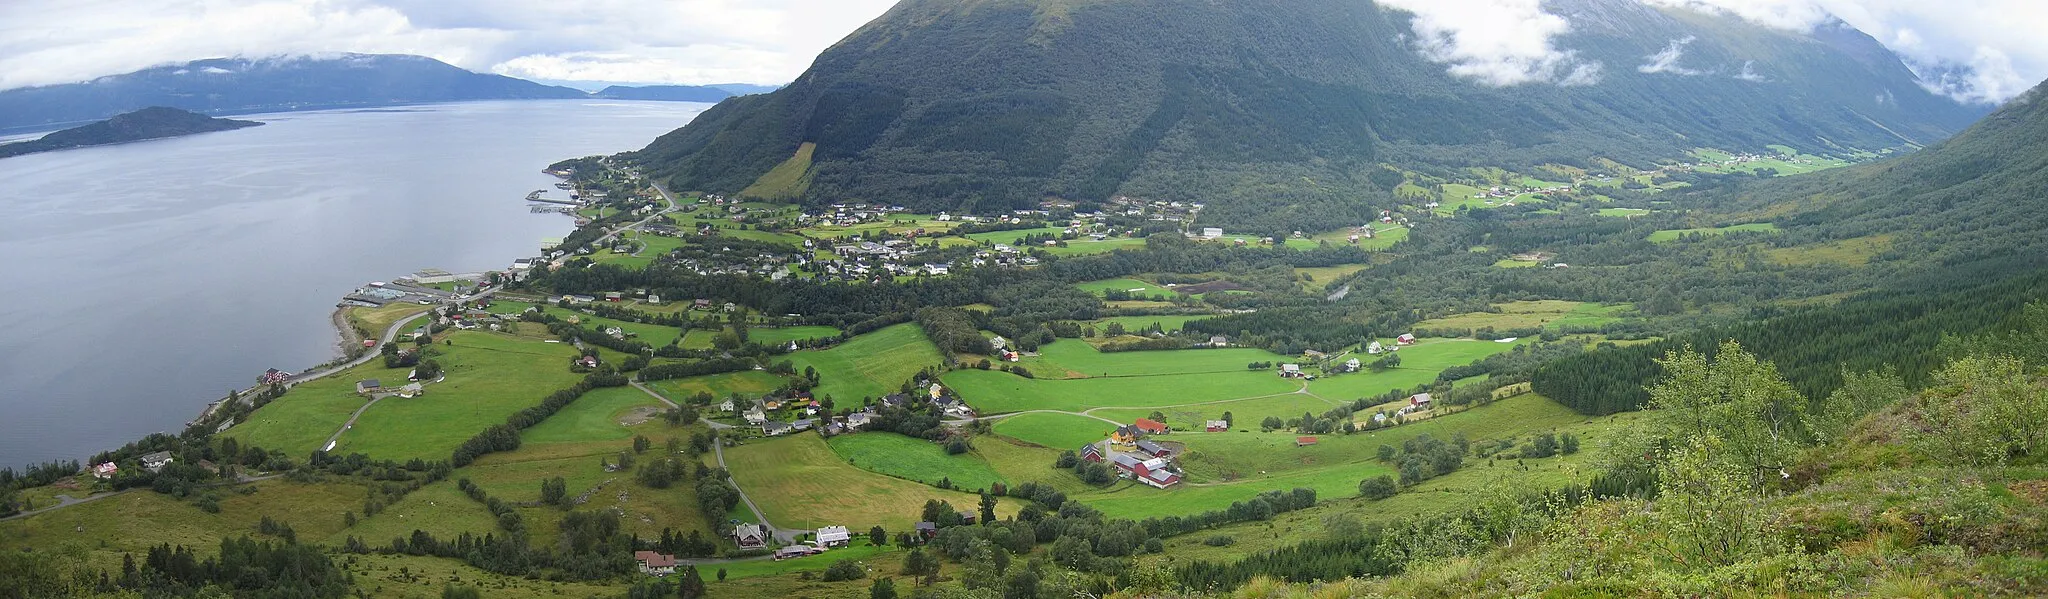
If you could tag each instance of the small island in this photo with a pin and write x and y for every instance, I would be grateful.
(155, 122)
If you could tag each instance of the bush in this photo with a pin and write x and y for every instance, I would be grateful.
(1221, 540)
(845, 569)
(1378, 487)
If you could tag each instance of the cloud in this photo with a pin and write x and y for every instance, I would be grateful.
(1666, 61)
(1983, 51)
(655, 41)
(1750, 72)
(1496, 42)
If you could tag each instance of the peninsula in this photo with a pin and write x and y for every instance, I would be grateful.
(149, 123)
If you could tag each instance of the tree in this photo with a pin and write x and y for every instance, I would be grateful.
(640, 444)
(692, 585)
(1734, 397)
(845, 569)
(1860, 394)
(877, 536)
(554, 491)
(884, 588)
(988, 508)
(1378, 487)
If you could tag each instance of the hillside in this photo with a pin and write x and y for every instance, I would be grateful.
(993, 104)
(149, 123)
(237, 85)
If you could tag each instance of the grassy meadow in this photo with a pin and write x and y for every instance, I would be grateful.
(1670, 235)
(802, 483)
(914, 459)
(1054, 430)
(870, 365)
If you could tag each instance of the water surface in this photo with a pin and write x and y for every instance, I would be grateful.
(145, 280)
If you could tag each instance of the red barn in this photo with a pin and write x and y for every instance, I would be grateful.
(1151, 427)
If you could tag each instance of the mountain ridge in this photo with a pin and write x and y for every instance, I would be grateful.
(996, 104)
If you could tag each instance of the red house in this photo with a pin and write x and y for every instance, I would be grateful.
(1217, 426)
(1151, 427)
(1091, 453)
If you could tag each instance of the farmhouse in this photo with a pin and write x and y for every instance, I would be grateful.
(155, 461)
(834, 536)
(774, 428)
(1219, 341)
(968, 517)
(108, 470)
(857, 420)
(1352, 365)
(1217, 426)
(926, 530)
(1290, 370)
(1125, 435)
(756, 415)
(655, 563)
(366, 386)
(1091, 452)
(1150, 426)
(726, 406)
(1155, 471)
(749, 536)
(1420, 401)
(1405, 339)
(1374, 348)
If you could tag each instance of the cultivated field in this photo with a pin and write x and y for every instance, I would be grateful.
(751, 383)
(915, 459)
(870, 365)
(801, 483)
(1054, 430)
(1529, 314)
(992, 391)
(488, 377)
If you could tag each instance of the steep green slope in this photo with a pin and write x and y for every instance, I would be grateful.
(1270, 110)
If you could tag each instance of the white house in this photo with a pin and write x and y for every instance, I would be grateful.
(1212, 232)
(834, 536)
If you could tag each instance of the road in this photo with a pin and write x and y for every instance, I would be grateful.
(718, 450)
(608, 235)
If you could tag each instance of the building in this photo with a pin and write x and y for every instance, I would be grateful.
(857, 420)
(775, 428)
(727, 405)
(655, 563)
(1217, 426)
(926, 530)
(1405, 339)
(1374, 348)
(1219, 341)
(367, 386)
(1151, 427)
(1125, 435)
(1154, 449)
(106, 470)
(1156, 472)
(834, 536)
(1419, 401)
(1290, 370)
(1352, 365)
(1304, 441)
(756, 415)
(794, 551)
(749, 536)
(274, 376)
(155, 461)
(969, 518)
(1212, 232)
(1091, 452)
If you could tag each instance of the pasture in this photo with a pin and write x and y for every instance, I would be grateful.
(990, 391)
(1318, 277)
(1624, 212)
(782, 335)
(750, 383)
(1053, 430)
(1244, 414)
(801, 483)
(488, 377)
(1134, 286)
(1531, 314)
(1012, 237)
(300, 421)
(914, 459)
(1420, 364)
(1080, 357)
(104, 529)
(1846, 252)
(1670, 235)
(1168, 323)
(870, 365)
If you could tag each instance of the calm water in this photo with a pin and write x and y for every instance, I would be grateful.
(145, 280)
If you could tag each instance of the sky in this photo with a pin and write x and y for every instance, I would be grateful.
(1982, 51)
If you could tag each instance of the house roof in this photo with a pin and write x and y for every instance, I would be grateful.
(1219, 424)
(654, 559)
(1419, 398)
(1150, 425)
(1304, 440)
(747, 530)
(369, 383)
(927, 526)
(1151, 448)
(1125, 460)
(833, 533)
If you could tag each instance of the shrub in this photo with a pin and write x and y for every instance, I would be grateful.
(1378, 487)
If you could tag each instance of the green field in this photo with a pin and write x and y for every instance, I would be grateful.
(593, 417)
(781, 335)
(1529, 314)
(1244, 414)
(1054, 430)
(1168, 323)
(1624, 212)
(993, 392)
(787, 180)
(1134, 286)
(489, 376)
(652, 334)
(1669, 235)
(1082, 360)
(801, 483)
(1085, 246)
(103, 529)
(915, 459)
(1011, 237)
(1420, 364)
(871, 365)
(751, 383)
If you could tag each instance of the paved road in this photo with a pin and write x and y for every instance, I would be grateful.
(608, 235)
(718, 449)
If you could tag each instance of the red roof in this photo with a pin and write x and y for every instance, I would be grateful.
(1150, 426)
(653, 559)
(1304, 440)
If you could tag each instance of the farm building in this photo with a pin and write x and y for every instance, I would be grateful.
(655, 563)
(1304, 441)
(749, 536)
(774, 428)
(369, 386)
(794, 551)
(968, 517)
(1156, 471)
(1150, 426)
(1217, 426)
(834, 536)
(1154, 449)
(105, 470)
(1290, 370)
(1125, 435)
(1374, 348)
(1219, 341)
(1091, 452)
(926, 530)
(1352, 365)
(1419, 400)
(155, 461)
(1405, 339)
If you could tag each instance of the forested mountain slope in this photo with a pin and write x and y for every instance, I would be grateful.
(1273, 111)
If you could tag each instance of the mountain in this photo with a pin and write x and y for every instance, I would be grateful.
(1273, 111)
(743, 89)
(155, 122)
(666, 93)
(235, 85)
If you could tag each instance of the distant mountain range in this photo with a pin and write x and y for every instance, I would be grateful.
(244, 86)
(149, 123)
(1275, 111)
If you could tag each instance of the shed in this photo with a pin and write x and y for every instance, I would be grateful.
(1304, 441)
